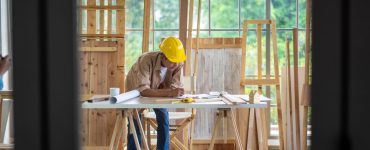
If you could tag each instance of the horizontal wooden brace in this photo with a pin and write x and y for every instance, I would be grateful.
(246, 22)
(102, 35)
(98, 49)
(103, 7)
(259, 82)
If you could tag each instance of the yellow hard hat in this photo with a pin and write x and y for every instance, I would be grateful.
(173, 49)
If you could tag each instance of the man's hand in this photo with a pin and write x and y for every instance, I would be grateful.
(4, 64)
(177, 92)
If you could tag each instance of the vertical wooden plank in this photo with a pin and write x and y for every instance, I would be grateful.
(289, 103)
(259, 51)
(276, 67)
(85, 127)
(296, 98)
(189, 39)
(305, 94)
(146, 26)
(251, 129)
(121, 44)
(85, 72)
(91, 16)
(80, 17)
(243, 114)
(244, 49)
(98, 75)
(92, 127)
(183, 22)
(109, 28)
(101, 18)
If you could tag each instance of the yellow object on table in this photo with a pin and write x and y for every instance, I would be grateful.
(187, 100)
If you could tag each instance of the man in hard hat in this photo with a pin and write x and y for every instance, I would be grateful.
(157, 74)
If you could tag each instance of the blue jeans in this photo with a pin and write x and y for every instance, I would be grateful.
(163, 131)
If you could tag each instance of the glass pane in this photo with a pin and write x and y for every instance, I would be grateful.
(202, 34)
(204, 20)
(224, 14)
(224, 34)
(284, 12)
(302, 13)
(158, 35)
(252, 9)
(134, 14)
(133, 48)
(166, 14)
(84, 21)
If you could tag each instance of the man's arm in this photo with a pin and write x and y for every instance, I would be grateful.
(162, 92)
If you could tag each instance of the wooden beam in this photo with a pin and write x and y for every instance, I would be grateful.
(98, 49)
(109, 18)
(278, 97)
(102, 7)
(259, 82)
(102, 35)
(189, 40)
(101, 18)
(296, 93)
(183, 21)
(218, 43)
(146, 26)
(197, 38)
(246, 22)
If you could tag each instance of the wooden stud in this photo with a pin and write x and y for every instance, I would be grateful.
(101, 18)
(197, 43)
(91, 16)
(257, 22)
(278, 98)
(306, 99)
(101, 7)
(146, 26)
(109, 28)
(95, 36)
(260, 132)
(296, 93)
(259, 82)
(98, 49)
(259, 51)
(289, 103)
(251, 129)
(189, 39)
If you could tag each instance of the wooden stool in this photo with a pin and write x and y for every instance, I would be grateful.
(185, 117)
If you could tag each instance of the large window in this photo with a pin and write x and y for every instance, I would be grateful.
(221, 18)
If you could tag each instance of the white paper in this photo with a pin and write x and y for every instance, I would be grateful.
(124, 96)
(197, 96)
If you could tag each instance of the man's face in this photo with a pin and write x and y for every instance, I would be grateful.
(168, 64)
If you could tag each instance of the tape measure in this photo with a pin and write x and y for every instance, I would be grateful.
(187, 100)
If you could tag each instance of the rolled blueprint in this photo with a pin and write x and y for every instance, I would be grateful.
(124, 96)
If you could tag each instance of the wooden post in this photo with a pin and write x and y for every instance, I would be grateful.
(189, 40)
(146, 26)
(306, 87)
(197, 44)
(289, 103)
(296, 93)
(278, 98)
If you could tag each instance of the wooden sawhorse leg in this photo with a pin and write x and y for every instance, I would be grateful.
(228, 114)
(119, 125)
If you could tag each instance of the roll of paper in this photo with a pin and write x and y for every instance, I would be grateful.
(124, 96)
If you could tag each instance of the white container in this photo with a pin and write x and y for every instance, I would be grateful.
(114, 91)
